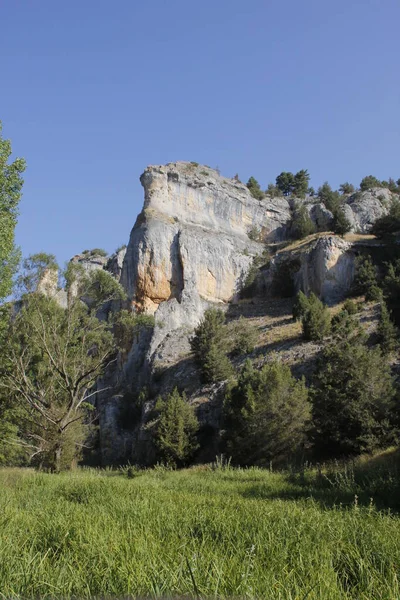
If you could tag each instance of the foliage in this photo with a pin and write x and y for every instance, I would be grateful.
(34, 269)
(95, 252)
(127, 326)
(327, 196)
(388, 224)
(366, 280)
(158, 533)
(301, 225)
(209, 346)
(314, 316)
(11, 183)
(341, 225)
(346, 188)
(285, 183)
(254, 234)
(52, 361)
(266, 413)
(297, 185)
(242, 337)
(174, 431)
(391, 288)
(369, 182)
(300, 306)
(273, 191)
(254, 188)
(387, 331)
(352, 400)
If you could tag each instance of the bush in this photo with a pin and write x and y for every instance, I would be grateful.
(346, 188)
(210, 345)
(352, 400)
(388, 224)
(387, 331)
(369, 182)
(301, 225)
(315, 320)
(242, 337)
(365, 280)
(254, 188)
(391, 287)
(341, 225)
(350, 307)
(266, 414)
(174, 432)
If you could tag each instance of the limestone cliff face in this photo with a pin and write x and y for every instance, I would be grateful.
(190, 244)
(327, 269)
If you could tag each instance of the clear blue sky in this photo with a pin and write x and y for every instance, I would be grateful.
(92, 91)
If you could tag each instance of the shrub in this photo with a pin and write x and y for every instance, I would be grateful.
(266, 414)
(369, 182)
(300, 306)
(352, 400)
(350, 307)
(254, 234)
(341, 225)
(346, 188)
(315, 320)
(387, 331)
(365, 280)
(388, 224)
(174, 431)
(301, 225)
(327, 196)
(210, 345)
(254, 188)
(242, 337)
(391, 287)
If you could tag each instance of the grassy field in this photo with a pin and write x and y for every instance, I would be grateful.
(222, 533)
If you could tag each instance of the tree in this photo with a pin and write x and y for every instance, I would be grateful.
(52, 362)
(352, 400)
(11, 183)
(209, 345)
(300, 184)
(341, 224)
(391, 289)
(346, 188)
(388, 224)
(254, 188)
(285, 183)
(387, 331)
(272, 190)
(300, 306)
(327, 196)
(365, 280)
(369, 182)
(266, 414)
(315, 319)
(174, 431)
(301, 225)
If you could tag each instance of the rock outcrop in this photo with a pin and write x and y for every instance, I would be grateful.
(190, 244)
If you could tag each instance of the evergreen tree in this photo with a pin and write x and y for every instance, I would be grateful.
(315, 320)
(346, 188)
(387, 331)
(209, 345)
(341, 225)
(300, 306)
(266, 414)
(174, 431)
(369, 182)
(352, 400)
(389, 224)
(285, 183)
(254, 188)
(301, 225)
(327, 196)
(365, 280)
(300, 183)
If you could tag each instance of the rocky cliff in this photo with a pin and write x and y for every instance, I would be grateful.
(191, 247)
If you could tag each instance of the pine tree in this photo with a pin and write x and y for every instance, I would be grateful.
(175, 429)
(387, 331)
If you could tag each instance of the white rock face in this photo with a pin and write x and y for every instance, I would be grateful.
(327, 269)
(190, 244)
(364, 208)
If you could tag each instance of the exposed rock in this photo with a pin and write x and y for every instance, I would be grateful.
(190, 244)
(362, 209)
(115, 263)
(327, 269)
(320, 216)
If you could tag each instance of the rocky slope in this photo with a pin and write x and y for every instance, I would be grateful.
(189, 249)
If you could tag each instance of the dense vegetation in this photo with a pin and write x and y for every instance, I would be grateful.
(205, 533)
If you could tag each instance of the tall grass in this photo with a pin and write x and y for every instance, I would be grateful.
(209, 533)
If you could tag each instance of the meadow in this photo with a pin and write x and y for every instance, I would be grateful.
(202, 532)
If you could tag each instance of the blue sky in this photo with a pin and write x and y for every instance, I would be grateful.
(94, 91)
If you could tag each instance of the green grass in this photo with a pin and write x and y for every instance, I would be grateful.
(197, 533)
